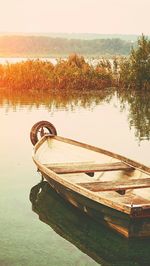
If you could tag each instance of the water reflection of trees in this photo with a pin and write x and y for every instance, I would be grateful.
(139, 111)
(54, 100)
(138, 103)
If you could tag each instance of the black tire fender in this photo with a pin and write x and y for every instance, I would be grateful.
(38, 128)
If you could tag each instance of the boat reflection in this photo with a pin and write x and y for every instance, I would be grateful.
(91, 237)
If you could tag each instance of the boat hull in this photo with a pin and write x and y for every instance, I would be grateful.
(122, 223)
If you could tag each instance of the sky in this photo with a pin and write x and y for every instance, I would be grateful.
(75, 16)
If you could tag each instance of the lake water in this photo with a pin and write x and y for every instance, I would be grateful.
(13, 60)
(63, 236)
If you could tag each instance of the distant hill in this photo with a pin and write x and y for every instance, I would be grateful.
(80, 36)
(91, 36)
(56, 46)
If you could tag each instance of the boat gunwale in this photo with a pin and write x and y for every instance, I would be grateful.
(136, 165)
(132, 163)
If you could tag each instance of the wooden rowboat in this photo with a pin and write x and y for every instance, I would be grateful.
(103, 184)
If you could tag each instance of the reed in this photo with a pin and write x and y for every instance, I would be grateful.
(72, 73)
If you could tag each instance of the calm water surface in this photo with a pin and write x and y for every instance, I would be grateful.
(63, 236)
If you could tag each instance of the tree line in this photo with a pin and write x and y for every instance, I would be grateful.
(43, 46)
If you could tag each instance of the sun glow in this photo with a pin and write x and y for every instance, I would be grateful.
(95, 16)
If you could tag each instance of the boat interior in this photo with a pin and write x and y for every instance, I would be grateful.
(100, 173)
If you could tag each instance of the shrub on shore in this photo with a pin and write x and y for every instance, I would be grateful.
(135, 70)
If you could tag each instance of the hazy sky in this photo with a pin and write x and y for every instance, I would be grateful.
(88, 16)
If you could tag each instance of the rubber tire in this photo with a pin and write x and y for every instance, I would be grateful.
(37, 126)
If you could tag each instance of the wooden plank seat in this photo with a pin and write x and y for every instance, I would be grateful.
(67, 168)
(116, 185)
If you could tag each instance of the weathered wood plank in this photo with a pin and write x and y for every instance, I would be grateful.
(87, 167)
(116, 185)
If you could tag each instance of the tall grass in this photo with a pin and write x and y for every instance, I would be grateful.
(72, 73)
